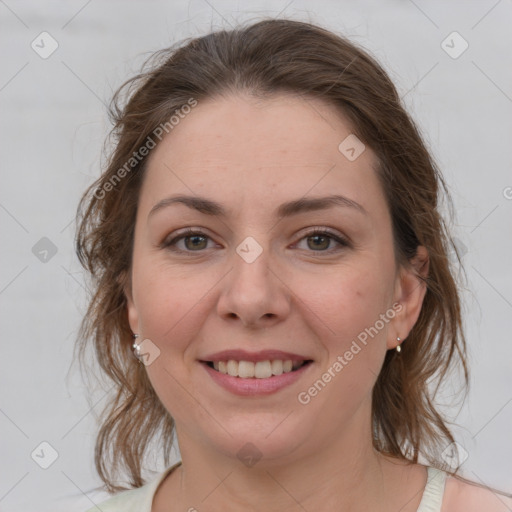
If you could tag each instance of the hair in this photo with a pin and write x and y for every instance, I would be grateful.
(264, 59)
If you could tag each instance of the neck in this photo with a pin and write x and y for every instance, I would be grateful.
(342, 473)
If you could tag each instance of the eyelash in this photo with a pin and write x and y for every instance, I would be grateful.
(170, 245)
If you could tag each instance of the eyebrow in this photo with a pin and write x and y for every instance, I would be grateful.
(210, 207)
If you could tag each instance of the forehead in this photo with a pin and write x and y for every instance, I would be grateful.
(247, 150)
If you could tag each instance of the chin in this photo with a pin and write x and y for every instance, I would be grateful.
(270, 442)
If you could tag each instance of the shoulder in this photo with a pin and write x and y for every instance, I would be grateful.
(139, 499)
(132, 500)
(465, 496)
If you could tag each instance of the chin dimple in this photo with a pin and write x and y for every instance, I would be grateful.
(258, 370)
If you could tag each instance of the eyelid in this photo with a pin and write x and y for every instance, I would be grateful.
(180, 235)
(340, 239)
(335, 236)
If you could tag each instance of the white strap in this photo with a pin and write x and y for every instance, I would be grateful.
(434, 491)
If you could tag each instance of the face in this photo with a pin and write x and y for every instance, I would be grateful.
(257, 276)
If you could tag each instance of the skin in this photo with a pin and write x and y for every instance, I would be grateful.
(300, 295)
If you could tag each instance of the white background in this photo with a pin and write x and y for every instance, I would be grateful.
(53, 124)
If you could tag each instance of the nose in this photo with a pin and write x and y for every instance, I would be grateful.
(254, 293)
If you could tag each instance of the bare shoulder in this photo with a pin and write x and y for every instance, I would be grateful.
(461, 496)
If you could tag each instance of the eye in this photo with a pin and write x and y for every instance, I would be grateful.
(194, 241)
(319, 240)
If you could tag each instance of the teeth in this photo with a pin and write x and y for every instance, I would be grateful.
(277, 367)
(262, 369)
(232, 368)
(259, 370)
(246, 369)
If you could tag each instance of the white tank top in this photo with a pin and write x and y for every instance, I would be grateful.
(141, 498)
(434, 491)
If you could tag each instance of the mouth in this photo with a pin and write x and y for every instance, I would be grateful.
(256, 370)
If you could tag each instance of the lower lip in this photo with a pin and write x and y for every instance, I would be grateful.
(253, 386)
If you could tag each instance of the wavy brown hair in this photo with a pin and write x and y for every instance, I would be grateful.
(269, 57)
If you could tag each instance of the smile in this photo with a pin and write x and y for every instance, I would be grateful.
(257, 370)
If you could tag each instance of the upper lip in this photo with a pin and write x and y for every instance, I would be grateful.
(263, 355)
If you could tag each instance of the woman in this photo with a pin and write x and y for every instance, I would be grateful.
(266, 242)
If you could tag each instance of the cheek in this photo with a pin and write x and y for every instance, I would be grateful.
(171, 309)
(168, 303)
(348, 300)
(353, 305)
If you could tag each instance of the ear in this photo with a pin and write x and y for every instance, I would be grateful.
(133, 317)
(410, 290)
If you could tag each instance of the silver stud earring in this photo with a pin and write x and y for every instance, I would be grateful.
(398, 348)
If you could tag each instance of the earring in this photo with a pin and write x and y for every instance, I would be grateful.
(398, 348)
(136, 348)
